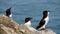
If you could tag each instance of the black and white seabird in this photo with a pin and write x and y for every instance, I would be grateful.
(28, 24)
(28, 21)
(8, 13)
(43, 21)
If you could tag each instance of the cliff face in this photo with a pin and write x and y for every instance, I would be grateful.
(9, 26)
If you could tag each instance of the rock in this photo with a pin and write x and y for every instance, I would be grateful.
(7, 21)
(23, 29)
(7, 29)
(9, 26)
(47, 31)
(2, 31)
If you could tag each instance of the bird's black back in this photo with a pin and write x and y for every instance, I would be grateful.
(42, 22)
(8, 12)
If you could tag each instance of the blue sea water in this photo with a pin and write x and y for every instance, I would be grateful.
(33, 8)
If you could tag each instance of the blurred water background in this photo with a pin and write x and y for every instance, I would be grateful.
(33, 8)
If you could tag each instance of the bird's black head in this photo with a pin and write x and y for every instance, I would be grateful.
(8, 12)
(45, 13)
(27, 19)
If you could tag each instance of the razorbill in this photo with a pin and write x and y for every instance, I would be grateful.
(8, 13)
(28, 21)
(28, 24)
(44, 20)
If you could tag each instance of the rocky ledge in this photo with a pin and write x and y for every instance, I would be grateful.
(9, 26)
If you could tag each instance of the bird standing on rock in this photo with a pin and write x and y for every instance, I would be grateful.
(43, 21)
(8, 13)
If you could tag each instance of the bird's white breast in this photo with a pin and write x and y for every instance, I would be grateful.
(28, 23)
(46, 21)
(10, 15)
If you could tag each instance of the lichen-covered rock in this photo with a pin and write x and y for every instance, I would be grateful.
(9, 26)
